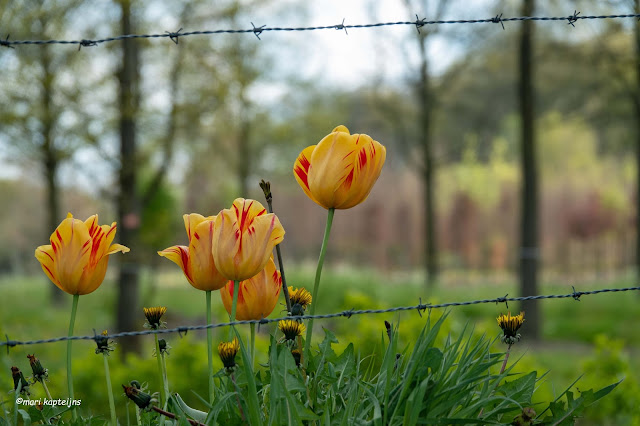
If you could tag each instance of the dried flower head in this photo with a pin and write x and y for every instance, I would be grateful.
(39, 372)
(227, 352)
(291, 329)
(163, 346)
(297, 356)
(510, 325)
(18, 378)
(154, 316)
(140, 398)
(300, 299)
(104, 345)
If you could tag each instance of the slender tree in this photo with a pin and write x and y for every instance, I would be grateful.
(529, 250)
(128, 197)
(636, 104)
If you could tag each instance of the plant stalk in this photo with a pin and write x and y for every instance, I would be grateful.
(234, 306)
(253, 344)
(165, 381)
(72, 321)
(316, 284)
(15, 406)
(506, 358)
(209, 347)
(163, 395)
(112, 405)
(173, 416)
(46, 389)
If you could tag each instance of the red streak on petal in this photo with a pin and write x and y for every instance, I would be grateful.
(113, 229)
(302, 170)
(195, 234)
(59, 236)
(49, 271)
(349, 180)
(363, 158)
(263, 211)
(302, 174)
(348, 154)
(42, 251)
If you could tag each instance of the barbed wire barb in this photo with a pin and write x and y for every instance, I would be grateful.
(86, 43)
(258, 30)
(498, 20)
(573, 18)
(419, 23)
(347, 314)
(173, 36)
(6, 43)
(342, 27)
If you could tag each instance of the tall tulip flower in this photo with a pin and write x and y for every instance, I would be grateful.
(337, 173)
(244, 237)
(257, 297)
(199, 267)
(76, 261)
(340, 171)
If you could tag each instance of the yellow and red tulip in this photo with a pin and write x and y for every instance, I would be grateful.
(257, 296)
(244, 237)
(341, 169)
(196, 260)
(77, 258)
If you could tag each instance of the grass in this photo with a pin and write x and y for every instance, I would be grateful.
(569, 328)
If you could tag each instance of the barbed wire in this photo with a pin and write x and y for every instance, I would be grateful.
(420, 308)
(174, 36)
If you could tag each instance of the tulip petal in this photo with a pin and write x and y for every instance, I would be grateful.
(71, 244)
(369, 159)
(191, 221)
(180, 256)
(114, 248)
(45, 256)
(92, 277)
(203, 269)
(301, 170)
(244, 237)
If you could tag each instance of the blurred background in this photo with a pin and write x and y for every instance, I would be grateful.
(512, 160)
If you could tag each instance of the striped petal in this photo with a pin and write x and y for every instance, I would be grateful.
(204, 273)
(71, 245)
(180, 256)
(301, 171)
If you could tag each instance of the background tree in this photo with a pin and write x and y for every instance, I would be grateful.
(529, 251)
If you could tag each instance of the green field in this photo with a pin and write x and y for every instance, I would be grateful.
(596, 337)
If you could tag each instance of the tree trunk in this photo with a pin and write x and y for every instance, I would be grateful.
(50, 158)
(128, 308)
(244, 154)
(637, 107)
(431, 256)
(529, 251)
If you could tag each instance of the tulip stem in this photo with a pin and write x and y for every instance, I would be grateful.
(112, 405)
(72, 321)
(253, 343)
(234, 305)
(316, 285)
(209, 347)
(163, 395)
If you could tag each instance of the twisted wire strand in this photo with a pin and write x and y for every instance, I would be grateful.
(420, 307)
(418, 23)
